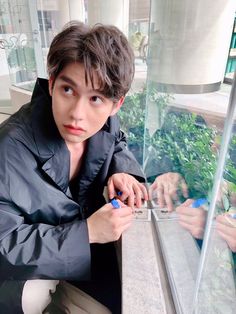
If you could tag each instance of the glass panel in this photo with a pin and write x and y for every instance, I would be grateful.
(138, 27)
(215, 287)
(132, 113)
(29, 27)
(19, 44)
(51, 17)
(186, 107)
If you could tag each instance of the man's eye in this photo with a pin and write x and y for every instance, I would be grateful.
(97, 100)
(68, 90)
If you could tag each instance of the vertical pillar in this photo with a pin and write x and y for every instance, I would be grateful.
(115, 12)
(189, 43)
(77, 10)
(64, 12)
(71, 10)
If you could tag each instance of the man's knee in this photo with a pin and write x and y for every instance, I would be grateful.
(37, 295)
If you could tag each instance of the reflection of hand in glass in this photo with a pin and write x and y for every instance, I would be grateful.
(192, 219)
(226, 227)
(166, 187)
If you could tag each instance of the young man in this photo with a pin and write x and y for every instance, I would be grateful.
(57, 154)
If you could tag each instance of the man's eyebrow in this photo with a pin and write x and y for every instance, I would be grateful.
(67, 80)
(73, 83)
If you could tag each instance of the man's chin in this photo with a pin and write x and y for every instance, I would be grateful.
(74, 139)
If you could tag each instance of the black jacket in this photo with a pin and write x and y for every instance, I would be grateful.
(43, 229)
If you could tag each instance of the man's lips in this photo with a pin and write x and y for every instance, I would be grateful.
(70, 126)
(73, 129)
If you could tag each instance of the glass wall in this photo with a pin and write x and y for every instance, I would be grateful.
(19, 42)
(189, 150)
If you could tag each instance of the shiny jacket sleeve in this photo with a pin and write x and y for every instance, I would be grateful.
(35, 240)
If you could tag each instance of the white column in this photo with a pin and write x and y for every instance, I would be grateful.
(77, 11)
(115, 12)
(64, 12)
(189, 43)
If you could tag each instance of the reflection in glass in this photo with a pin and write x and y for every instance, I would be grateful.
(215, 283)
(183, 136)
(18, 42)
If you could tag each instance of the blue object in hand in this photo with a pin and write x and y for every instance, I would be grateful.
(199, 202)
(232, 215)
(115, 203)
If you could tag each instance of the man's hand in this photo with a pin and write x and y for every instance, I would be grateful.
(132, 190)
(107, 224)
(166, 187)
(192, 219)
(226, 227)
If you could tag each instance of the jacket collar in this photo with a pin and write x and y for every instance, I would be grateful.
(52, 151)
(98, 150)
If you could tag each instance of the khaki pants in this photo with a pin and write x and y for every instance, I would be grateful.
(54, 297)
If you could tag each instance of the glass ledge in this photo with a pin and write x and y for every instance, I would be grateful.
(159, 269)
(181, 255)
(217, 291)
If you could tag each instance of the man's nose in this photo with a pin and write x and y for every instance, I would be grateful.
(78, 110)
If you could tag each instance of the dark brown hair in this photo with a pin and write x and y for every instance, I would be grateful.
(102, 49)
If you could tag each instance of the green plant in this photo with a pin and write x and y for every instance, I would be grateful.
(230, 170)
(184, 138)
(187, 141)
(229, 189)
(132, 117)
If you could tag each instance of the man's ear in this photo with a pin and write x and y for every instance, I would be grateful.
(50, 85)
(117, 106)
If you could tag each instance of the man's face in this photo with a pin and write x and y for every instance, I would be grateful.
(79, 110)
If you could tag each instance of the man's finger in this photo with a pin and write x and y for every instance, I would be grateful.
(138, 195)
(169, 202)
(111, 189)
(160, 195)
(144, 191)
(152, 189)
